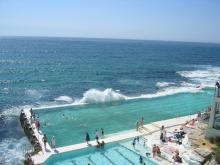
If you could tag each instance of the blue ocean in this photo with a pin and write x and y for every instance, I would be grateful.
(102, 78)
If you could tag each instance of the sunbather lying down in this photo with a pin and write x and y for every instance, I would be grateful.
(190, 124)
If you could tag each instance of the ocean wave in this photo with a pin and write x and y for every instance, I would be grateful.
(66, 99)
(206, 77)
(94, 96)
(12, 150)
(164, 84)
(99, 96)
(169, 91)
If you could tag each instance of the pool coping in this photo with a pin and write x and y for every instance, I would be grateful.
(150, 128)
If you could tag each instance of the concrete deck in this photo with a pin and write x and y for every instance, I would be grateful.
(150, 128)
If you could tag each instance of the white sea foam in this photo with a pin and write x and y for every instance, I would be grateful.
(99, 96)
(34, 93)
(164, 84)
(169, 91)
(206, 77)
(66, 99)
(12, 150)
(13, 111)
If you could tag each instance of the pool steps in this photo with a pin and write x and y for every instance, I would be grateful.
(147, 129)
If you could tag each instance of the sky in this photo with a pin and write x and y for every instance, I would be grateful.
(173, 20)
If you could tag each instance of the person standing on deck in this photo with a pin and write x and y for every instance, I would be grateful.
(96, 135)
(102, 131)
(87, 138)
(53, 142)
(142, 122)
(137, 125)
(37, 124)
(45, 140)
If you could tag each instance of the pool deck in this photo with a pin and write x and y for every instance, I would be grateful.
(150, 128)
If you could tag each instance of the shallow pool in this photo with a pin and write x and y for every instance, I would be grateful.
(122, 153)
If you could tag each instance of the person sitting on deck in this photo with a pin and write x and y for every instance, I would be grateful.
(158, 151)
(177, 158)
(192, 123)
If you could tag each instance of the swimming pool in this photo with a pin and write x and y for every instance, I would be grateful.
(120, 153)
(69, 124)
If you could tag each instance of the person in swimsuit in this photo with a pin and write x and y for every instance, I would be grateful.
(154, 150)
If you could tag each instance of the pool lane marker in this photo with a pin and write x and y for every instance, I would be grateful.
(124, 156)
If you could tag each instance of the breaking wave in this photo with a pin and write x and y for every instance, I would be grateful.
(98, 96)
(164, 84)
(66, 99)
(169, 91)
(206, 76)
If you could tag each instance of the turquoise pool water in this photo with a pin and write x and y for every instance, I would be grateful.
(116, 116)
(121, 153)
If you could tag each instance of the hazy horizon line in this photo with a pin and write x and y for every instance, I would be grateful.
(104, 38)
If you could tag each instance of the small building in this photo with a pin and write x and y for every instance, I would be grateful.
(214, 120)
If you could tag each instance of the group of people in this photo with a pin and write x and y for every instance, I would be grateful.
(134, 141)
(178, 135)
(96, 137)
(53, 141)
(156, 150)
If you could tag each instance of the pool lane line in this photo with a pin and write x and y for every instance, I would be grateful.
(124, 156)
(74, 162)
(103, 154)
(89, 158)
